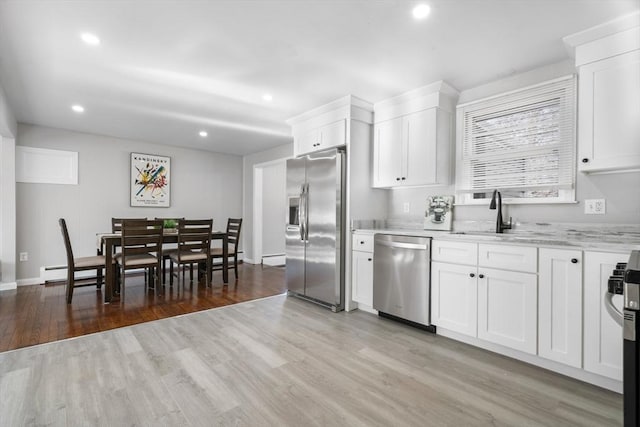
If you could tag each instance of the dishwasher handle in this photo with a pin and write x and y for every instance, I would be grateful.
(403, 245)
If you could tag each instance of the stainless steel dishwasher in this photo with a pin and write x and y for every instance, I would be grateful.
(401, 278)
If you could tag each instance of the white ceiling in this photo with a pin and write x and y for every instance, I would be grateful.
(167, 69)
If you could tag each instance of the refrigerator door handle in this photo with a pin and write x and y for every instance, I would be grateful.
(306, 212)
(301, 215)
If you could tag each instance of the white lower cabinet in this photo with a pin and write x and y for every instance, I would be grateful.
(560, 306)
(362, 277)
(507, 308)
(547, 302)
(454, 297)
(602, 335)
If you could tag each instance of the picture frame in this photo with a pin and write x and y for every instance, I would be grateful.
(439, 213)
(150, 180)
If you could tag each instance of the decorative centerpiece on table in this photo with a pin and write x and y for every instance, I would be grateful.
(169, 225)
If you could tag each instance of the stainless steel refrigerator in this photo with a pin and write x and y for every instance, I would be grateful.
(315, 228)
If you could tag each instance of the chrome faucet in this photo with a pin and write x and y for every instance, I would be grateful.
(499, 224)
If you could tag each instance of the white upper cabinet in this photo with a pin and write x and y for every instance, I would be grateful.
(609, 118)
(327, 136)
(388, 153)
(412, 138)
(608, 100)
(328, 126)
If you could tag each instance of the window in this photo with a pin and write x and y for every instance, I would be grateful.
(521, 143)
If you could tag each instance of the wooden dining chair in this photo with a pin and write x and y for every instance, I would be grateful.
(233, 236)
(96, 262)
(116, 228)
(116, 224)
(194, 241)
(166, 252)
(141, 245)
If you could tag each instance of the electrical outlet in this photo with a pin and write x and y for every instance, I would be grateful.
(24, 256)
(595, 206)
(406, 207)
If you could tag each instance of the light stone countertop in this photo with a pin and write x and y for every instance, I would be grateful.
(595, 241)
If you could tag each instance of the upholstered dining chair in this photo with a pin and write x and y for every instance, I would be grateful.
(233, 236)
(194, 241)
(116, 228)
(141, 245)
(74, 264)
(167, 251)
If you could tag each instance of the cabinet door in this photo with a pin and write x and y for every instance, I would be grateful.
(609, 107)
(362, 277)
(387, 153)
(454, 297)
(602, 335)
(307, 141)
(419, 158)
(332, 135)
(560, 306)
(507, 308)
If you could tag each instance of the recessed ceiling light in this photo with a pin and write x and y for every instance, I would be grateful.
(267, 97)
(203, 133)
(421, 11)
(77, 108)
(90, 39)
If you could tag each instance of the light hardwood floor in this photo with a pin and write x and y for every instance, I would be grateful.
(281, 361)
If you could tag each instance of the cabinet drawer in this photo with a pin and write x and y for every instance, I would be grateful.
(456, 252)
(507, 257)
(362, 242)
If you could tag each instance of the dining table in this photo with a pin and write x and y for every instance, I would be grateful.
(108, 242)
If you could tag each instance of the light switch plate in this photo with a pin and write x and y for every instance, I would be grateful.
(406, 207)
(595, 206)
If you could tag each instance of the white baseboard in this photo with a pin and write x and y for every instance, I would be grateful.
(569, 371)
(274, 260)
(367, 308)
(8, 286)
(28, 282)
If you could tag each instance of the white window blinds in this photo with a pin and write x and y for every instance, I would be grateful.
(521, 140)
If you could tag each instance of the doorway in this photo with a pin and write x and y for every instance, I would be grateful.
(269, 212)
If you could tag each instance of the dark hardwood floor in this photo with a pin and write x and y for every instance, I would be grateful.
(37, 314)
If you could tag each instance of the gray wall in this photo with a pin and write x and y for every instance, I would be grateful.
(8, 127)
(274, 208)
(620, 190)
(204, 185)
(249, 161)
(7, 213)
(8, 124)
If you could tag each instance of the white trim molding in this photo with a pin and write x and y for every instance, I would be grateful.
(8, 286)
